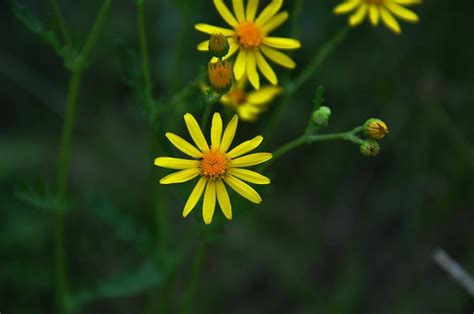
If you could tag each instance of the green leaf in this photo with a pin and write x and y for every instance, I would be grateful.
(47, 36)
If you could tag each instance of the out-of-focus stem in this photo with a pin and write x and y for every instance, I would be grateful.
(144, 55)
(190, 292)
(61, 22)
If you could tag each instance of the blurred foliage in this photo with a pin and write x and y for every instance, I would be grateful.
(336, 233)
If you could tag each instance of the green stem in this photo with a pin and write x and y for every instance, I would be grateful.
(61, 284)
(144, 55)
(304, 76)
(311, 138)
(194, 280)
(84, 55)
(210, 101)
(61, 22)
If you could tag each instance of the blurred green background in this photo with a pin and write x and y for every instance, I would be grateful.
(336, 233)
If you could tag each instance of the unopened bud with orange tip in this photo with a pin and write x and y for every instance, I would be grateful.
(218, 45)
(220, 76)
(369, 148)
(375, 128)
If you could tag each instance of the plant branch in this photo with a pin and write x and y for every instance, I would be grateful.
(61, 22)
(463, 278)
(144, 56)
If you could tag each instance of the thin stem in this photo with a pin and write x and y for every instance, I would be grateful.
(61, 22)
(210, 101)
(92, 38)
(194, 280)
(311, 138)
(462, 277)
(61, 284)
(144, 55)
(304, 76)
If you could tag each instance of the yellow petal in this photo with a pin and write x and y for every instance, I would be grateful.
(240, 64)
(359, 15)
(203, 46)
(209, 203)
(245, 147)
(251, 160)
(408, 2)
(195, 196)
(211, 29)
(223, 199)
(346, 7)
(195, 132)
(282, 43)
(252, 69)
(401, 12)
(275, 21)
(229, 134)
(265, 68)
(252, 6)
(269, 12)
(243, 189)
(176, 163)
(264, 95)
(390, 21)
(181, 176)
(183, 145)
(238, 6)
(249, 176)
(216, 131)
(278, 57)
(374, 14)
(225, 13)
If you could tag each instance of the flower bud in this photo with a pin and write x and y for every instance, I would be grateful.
(220, 76)
(369, 148)
(375, 128)
(218, 45)
(321, 116)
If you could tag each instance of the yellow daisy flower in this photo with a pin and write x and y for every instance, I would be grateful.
(215, 164)
(379, 9)
(249, 35)
(249, 105)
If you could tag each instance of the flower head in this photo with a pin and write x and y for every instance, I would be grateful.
(379, 9)
(249, 36)
(218, 45)
(220, 76)
(369, 148)
(215, 165)
(375, 128)
(249, 105)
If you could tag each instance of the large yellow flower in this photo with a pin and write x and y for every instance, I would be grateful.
(249, 36)
(215, 164)
(249, 105)
(379, 9)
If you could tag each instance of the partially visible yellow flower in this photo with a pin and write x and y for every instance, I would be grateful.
(379, 9)
(215, 164)
(249, 105)
(249, 36)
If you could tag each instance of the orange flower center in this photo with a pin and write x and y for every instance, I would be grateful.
(238, 97)
(249, 35)
(214, 164)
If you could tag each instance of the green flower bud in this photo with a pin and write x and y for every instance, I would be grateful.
(218, 45)
(375, 128)
(369, 148)
(321, 116)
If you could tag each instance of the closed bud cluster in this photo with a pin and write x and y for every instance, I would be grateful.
(220, 76)
(218, 45)
(369, 148)
(321, 116)
(375, 129)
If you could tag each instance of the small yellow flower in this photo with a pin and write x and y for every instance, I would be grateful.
(379, 9)
(249, 105)
(249, 35)
(375, 128)
(215, 164)
(220, 76)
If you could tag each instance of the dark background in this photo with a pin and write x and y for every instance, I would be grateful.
(336, 233)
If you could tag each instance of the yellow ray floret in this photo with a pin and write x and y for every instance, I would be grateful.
(215, 164)
(376, 10)
(248, 36)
